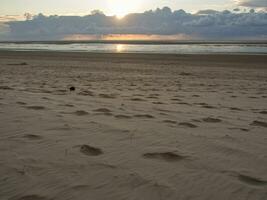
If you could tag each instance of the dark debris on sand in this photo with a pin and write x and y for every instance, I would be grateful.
(90, 151)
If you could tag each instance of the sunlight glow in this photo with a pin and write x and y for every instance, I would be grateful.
(119, 48)
(120, 8)
(132, 37)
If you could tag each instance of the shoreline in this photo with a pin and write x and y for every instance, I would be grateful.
(138, 53)
(145, 42)
(258, 61)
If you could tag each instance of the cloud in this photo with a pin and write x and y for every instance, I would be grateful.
(207, 24)
(207, 12)
(253, 3)
(4, 30)
(6, 18)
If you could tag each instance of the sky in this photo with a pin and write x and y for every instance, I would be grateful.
(178, 19)
(114, 7)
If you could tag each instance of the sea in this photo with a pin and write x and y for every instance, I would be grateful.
(157, 47)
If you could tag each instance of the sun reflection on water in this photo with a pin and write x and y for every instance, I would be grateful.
(119, 48)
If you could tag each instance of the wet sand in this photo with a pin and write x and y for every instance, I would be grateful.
(133, 126)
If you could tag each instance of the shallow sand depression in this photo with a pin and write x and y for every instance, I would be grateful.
(135, 127)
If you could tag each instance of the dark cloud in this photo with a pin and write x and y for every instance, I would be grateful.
(207, 24)
(253, 3)
(207, 12)
(4, 29)
(237, 9)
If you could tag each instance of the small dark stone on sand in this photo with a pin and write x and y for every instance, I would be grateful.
(72, 88)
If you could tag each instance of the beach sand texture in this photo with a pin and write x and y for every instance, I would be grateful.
(137, 127)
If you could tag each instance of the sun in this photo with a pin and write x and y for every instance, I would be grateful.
(120, 8)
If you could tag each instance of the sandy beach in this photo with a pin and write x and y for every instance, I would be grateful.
(133, 127)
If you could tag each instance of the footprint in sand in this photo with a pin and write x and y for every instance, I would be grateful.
(81, 113)
(86, 93)
(21, 103)
(251, 180)
(208, 106)
(60, 92)
(107, 96)
(90, 151)
(67, 105)
(205, 105)
(183, 103)
(175, 99)
(31, 197)
(80, 187)
(241, 129)
(169, 121)
(22, 63)
(211, 120)
(144, 116)
(235, 109)
(104, 111)
(259, 123)
(166, 156)
(6, 88)
(123, 116)
(152, 97)
(158, 103)
(36, 107)
(32, 137)
(188, 124)
(253, 97)
(185, 74)
(137, 99)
